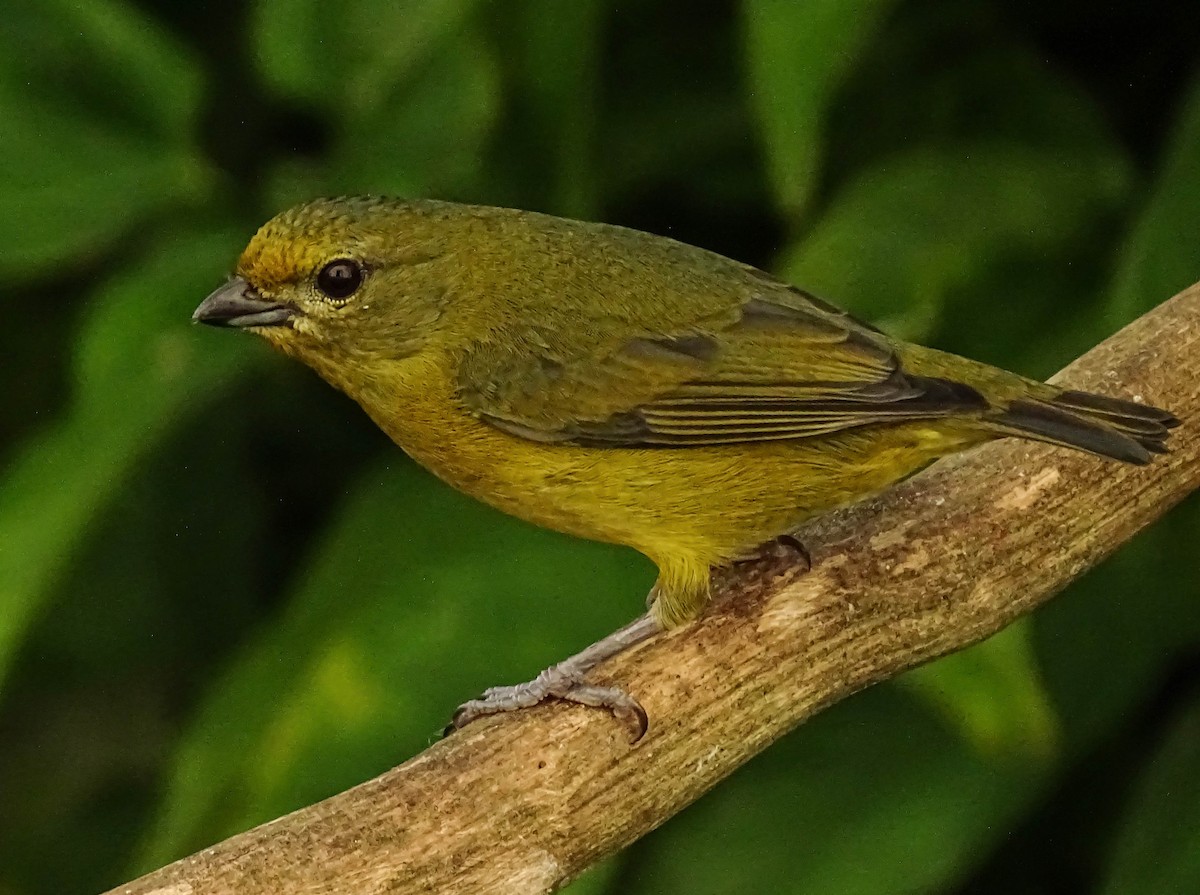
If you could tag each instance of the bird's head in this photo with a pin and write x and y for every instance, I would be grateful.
(339, 283)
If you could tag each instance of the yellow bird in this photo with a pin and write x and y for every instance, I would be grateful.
(625, 387)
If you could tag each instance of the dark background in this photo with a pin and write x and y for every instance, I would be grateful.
(224, 594)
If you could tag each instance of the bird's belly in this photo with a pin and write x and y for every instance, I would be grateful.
(709, 504)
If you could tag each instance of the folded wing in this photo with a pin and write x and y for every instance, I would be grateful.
(774, 368)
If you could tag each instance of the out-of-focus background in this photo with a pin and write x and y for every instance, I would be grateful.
(224, 594)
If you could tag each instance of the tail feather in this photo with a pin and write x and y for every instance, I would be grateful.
(1109, 427)
(1125, 415)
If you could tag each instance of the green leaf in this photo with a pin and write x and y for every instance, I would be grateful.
(347, 56)
(1161, 258)
(597, 879)
(428, 137)
(429, 134)
(144, 609)
(68, 187)
(99, 108)
(103, 58)
(1156, 849)
(871, 797)
(556, 50)
(906, 235)
(140, 367)
(418, 599)
(993, 695)
(798, 55)
(1002, 88)
(1104, 642)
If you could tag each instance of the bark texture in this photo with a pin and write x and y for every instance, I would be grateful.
(524, 803)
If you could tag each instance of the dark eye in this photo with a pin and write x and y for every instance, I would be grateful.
(340, 279)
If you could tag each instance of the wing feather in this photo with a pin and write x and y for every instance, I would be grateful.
(778, 368)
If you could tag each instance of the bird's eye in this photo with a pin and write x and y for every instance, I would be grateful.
(340, 279)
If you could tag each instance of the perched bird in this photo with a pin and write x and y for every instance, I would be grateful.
(625, 387)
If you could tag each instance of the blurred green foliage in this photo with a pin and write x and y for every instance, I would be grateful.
(224, 595)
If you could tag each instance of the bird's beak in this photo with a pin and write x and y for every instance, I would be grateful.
(238, 304)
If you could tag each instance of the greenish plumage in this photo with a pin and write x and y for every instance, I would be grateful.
(622, 386)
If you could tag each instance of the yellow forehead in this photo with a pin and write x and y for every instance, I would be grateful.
(270, 262)
(294, 245)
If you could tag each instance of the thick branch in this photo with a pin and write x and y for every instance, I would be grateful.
(523, 803)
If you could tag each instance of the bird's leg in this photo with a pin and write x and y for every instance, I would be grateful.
(565, 681)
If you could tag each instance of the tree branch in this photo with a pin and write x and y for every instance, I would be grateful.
(524, 803)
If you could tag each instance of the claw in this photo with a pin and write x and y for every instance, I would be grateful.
(781, 556)
(553, 683)
(565, 681)
(784, 549)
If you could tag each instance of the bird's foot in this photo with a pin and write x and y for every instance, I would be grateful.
(785, 550)
(781, 557)
(565, 681)
(556, 682)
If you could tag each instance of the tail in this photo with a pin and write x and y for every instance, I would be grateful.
(1109, 427)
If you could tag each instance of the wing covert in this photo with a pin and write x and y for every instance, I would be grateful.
(769, 370)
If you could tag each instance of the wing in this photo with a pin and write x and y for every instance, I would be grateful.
(786, 366)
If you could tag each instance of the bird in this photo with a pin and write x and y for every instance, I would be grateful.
(625, 387)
